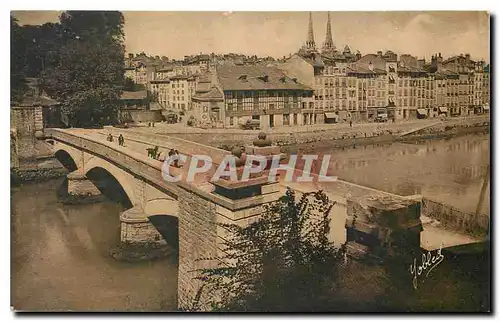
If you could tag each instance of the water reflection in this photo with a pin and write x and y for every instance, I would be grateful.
(447, 170)
(60, 258)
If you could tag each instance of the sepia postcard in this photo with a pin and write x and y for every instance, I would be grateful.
(319, 161)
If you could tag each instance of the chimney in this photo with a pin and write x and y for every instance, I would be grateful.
(440, 55)
(379, 53)
(467, 56)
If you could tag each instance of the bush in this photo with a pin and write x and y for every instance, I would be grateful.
(283, 262)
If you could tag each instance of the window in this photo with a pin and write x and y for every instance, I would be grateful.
(286, 119)
(231, 120)
(229, 106)
(271, 106)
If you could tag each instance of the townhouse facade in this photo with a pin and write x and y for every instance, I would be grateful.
(160, 89)
(346, 86)
(263, 94)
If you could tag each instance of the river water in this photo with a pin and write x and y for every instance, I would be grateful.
(451, 171)
(60, 258)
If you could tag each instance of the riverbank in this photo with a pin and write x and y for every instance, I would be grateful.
(308, 138)
(428, 134)
(127, 253)
(37, 171)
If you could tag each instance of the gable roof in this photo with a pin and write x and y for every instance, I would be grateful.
(214, 94)
(203, 87)
(254, 78)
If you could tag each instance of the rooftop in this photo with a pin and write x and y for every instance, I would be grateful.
(213, 94)
(160, 81)
(165, 68)
(404, 69)
(366, 71)
(256, 77)
(203, 87)
(41, 100)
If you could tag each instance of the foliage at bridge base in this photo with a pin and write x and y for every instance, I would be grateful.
(283, 262)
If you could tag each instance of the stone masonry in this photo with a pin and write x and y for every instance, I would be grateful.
(79, 185)
(197, 240)
(137, 230)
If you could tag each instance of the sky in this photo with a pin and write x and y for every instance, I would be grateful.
(175, 34)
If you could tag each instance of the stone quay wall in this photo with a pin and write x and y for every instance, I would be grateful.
(334, 135)
(197, 240)
(141, 115)
(456, 220)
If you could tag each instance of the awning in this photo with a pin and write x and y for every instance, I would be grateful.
(443, 109)
(421, 111)
(486, 107)
(331, 115)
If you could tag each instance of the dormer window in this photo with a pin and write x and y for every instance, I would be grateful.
(283, 79)
(243, 78)
(264, 78)
(294, 80)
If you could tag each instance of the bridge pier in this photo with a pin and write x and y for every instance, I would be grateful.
(80, 186)
(137, 230)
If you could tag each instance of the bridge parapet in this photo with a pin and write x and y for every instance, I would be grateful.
(183, 146)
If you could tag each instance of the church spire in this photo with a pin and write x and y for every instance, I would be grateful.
(328, 45)
(310, 44)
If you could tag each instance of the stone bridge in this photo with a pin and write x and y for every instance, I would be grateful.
(195, 205)
(198, 206)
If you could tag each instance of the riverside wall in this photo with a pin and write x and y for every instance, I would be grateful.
(454, 219)
(339, 136)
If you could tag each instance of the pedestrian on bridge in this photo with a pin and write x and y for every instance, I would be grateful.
(121, 140)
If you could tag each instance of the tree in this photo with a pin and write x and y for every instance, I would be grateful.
(283, 262)
(89, 74)
(130, 86)
(17, 61)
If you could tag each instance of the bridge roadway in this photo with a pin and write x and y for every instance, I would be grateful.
(136, 143)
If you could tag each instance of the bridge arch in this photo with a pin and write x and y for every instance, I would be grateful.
(66, 159)
(162, 206)
(124, 179)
